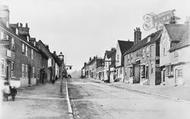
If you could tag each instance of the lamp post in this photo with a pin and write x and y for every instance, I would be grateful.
(61, 58)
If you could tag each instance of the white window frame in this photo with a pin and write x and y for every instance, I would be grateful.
(26, 52)
(23, 47)
(2, 35)
(32, 54)
(3, 67)
(33, 72)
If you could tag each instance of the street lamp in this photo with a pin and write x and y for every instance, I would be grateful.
(61, 58)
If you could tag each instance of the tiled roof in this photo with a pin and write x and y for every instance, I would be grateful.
(185, 40)
(176, 31)
(153, 38)
(125, 45)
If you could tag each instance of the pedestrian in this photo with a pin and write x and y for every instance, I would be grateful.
(13, 92)
(6, 90)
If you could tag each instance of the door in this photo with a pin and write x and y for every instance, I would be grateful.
(29, 74)
(136, 73)
(164, 74)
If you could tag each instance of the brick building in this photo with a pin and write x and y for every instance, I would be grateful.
(24, 61)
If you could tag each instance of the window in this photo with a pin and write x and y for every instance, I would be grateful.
(23, 67)
(27, 38)
(164, 51)
(143, 71)
(23, 47)
(131, 71)
(170, 71)
(117, 58)
(120, 70)
(17, 31)
(2, 35)
(26, 52)
(3, 70)
(7, 37)
(147, 51)
(147, 72)
(33, 72)
(13, 43)
(32, 54)
(179, 73)
(12, 68)
(152, 68)
(26, 70)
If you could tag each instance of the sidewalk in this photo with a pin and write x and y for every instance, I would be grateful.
(42, 101)
(180, 93)
(43, 90)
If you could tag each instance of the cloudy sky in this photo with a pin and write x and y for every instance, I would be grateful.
(85, 28)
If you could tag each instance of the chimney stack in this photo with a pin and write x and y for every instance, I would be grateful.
(26, 25)
(137, 35)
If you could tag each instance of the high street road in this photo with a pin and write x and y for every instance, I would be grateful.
(90, 99)
(93, 100)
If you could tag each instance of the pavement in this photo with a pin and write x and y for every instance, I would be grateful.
(178, 93)
(42, 101)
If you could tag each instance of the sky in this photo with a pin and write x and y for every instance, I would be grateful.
(86, 28)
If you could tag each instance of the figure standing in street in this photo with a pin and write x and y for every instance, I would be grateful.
(9, 91)
(6, 90)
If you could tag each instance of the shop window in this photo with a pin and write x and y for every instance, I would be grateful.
(131, 71)
(3, 67)
(169, 72)
(146, 74)
(143, 71)
(179, 73)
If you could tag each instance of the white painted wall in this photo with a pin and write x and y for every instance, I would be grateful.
(164, 43)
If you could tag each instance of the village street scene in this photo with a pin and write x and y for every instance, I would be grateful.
(94, 60)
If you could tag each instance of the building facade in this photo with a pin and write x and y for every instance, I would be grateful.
(142, 61)
(121, 48)
(174, 56)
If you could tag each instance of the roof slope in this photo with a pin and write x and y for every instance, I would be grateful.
(176, 31)
(153, 38)
(125, 45)
(185, 40)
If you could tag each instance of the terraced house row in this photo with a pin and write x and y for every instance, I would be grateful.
(23, 60)
(161, 58)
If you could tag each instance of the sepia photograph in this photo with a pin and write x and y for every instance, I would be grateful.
(94, 59)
